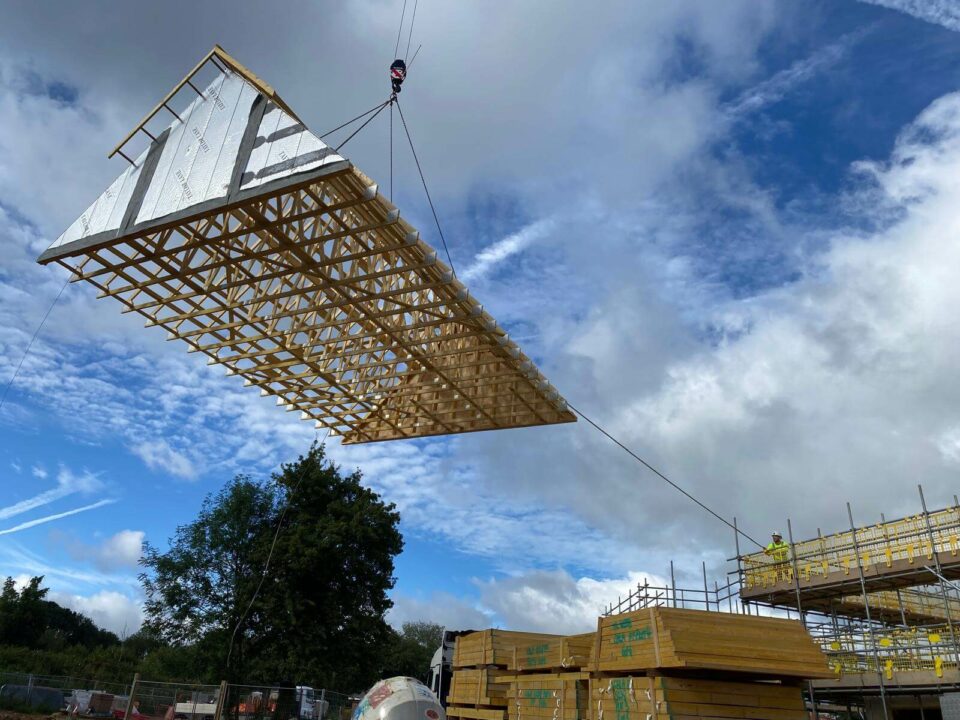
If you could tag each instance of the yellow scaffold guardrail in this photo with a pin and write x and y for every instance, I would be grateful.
(881, 545)
(889, 651)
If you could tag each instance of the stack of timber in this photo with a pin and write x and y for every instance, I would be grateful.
(481, 679)
(494, 647)
(550, 696)
(670, 698)
(651, 664)
(558, 653)
(682, 641)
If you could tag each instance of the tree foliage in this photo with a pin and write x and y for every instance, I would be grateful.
(319, 613)
(28, 619)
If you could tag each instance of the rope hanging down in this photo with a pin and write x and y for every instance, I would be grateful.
(32, 339)
(663, 477)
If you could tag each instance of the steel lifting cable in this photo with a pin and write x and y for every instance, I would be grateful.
(425, 189)
(378, 109)
(400, 29)
(378, 106)
(413, 19)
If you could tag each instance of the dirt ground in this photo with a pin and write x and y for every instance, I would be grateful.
(11, 715)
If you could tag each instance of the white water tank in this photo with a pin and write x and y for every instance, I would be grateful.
(399, 698)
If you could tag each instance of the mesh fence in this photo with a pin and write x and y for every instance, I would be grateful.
(150, 700)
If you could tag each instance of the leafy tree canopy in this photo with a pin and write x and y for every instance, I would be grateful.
(318, 616)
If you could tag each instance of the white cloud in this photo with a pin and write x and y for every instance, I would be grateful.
(122, 550)
(109, 609)
(16, 559)
(38, 472)
(451, 612)
(938, 12)
(158, 455)
(839, 382)
(555, 602)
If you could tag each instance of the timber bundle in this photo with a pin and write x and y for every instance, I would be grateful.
(650, 664)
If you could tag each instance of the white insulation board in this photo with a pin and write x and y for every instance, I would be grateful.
(199, 157)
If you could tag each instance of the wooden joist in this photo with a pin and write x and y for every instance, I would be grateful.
(555, 696)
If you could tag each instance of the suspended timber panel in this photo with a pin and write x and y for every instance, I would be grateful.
(286, 266)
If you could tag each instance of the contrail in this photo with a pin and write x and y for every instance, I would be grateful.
(36, 501)
(945, 13)
(51, 518)
(494, 254)
(775, 88)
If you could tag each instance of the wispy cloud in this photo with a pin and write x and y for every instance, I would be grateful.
(775, 88)
(67, 484)
(58, 516)
(39, 472)
(938, 12)
(492, 255)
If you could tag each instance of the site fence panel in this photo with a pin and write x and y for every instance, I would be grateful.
(53, 692)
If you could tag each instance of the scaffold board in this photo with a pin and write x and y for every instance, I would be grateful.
(245, 236)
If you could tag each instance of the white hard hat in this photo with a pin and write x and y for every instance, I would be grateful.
(776, 533)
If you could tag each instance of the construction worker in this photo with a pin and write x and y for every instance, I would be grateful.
(778, 549)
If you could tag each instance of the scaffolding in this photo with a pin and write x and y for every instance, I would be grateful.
(879, 600)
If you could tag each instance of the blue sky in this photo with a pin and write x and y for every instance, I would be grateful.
(724, 230)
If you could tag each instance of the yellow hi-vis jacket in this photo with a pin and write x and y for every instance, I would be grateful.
(778, 551)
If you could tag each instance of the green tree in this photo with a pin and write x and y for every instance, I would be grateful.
(411, 650)
(328, 592)
(424, 633)
(317, 615)
(197, 591)
(23, 614)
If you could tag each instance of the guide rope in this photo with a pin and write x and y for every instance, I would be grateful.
(663, 477)
(36, 332)
(266, 567)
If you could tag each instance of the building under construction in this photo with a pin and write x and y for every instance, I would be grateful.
(880, 600)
